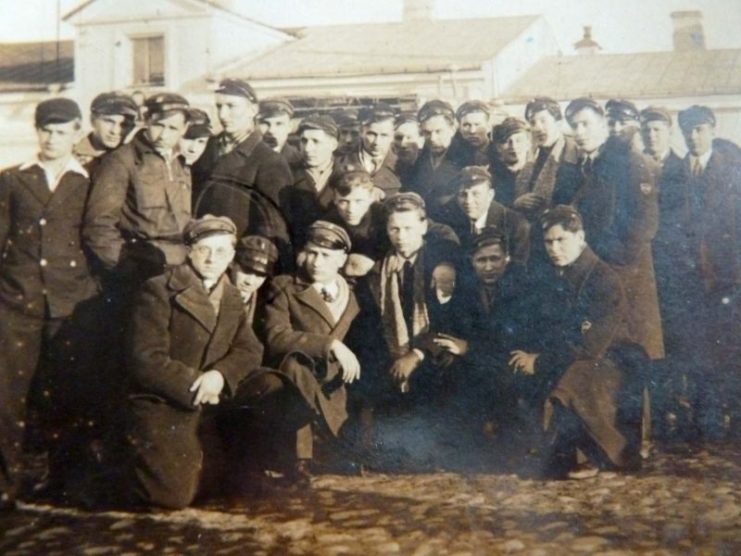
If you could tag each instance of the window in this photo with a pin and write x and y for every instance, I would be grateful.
(149, 60)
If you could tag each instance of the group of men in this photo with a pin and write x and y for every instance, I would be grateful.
(290, 294)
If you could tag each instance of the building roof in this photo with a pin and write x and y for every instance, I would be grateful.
(640, 75)
(34, 66)
(376, 48)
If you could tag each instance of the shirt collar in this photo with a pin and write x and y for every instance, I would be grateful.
(73, 165)
(703, 159)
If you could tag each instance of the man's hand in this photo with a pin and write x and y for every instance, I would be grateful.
(358, 265)
(456, 346)
(529, 201)
(404, 366)
(208, 387)
(348, 362)
(523, 362)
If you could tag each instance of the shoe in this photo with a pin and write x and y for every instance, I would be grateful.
(583, 471)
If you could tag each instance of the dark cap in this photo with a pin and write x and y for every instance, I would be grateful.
(207, 225)
(347, 117)
(256, 254)
(199, 124)
(435, 108)
(471, 106)
(508, 128)
(237, 88)
(565, 215)
(114, 104)
(622, 110)
(328, 235)
(56, 111)
(377, 113)
(272, 107)
(162, 103)
(579, 104)
(490, 235)
(403, 202)
(351, 177)
(695, 115)
(538, 104)
(405, 118)
(472, 175)
(320, 122)
(656, 113)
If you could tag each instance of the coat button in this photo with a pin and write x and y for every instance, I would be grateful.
(42, 222)
(73, 264)
(43, 262)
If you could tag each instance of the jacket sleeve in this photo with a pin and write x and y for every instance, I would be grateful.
(107, 197)
(244, 357)
(272, 177)
(148, 349)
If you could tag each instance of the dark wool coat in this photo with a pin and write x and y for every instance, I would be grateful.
(384, 178)
(436, 185)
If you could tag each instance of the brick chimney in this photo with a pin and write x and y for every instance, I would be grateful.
(688, 32)
(415, 10)
(587, 45)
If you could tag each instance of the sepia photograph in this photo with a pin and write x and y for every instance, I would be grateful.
(326, 277)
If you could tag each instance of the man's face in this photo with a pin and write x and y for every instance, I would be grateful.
(438, 133)
(563, 247)
(444, 276)
(476, 199)
(192, 149)
(236, 113)
(248, 282)
(474, 128)
(56, 141)
(621, 128)
(111, 129)
(406, 231)
(353, 206)
(489, 263)
(590, 129)
(275, 130)
(211, 255)
(546, 128)
(165, 133)
(699, 139)
(377, 137)
(514, 150)
(656, 136)
(349, 135)
(321, 264)
(317, 147)
(408, 140)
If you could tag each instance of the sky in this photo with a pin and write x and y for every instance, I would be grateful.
(618, 25)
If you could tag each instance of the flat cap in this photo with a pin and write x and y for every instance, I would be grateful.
(272, 107)
(621, 109)
(695, 115)
(320, 122)
(377, 113)
(656, 113)
(114, 104)
(199, 124)
(490, 235)
(538, 104)
(579, 104)
(256, 254)
(564, 215)
(166, 102)
(472, 175)
(406, 118)
(207, 225)
(237, 88)
(471, 106)
(404, 201)
(434, 108)
(509, 126)
(56, 111)
(328, 235)
(351, 176)
(345, 117)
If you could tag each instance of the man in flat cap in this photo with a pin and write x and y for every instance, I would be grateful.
(436, 170)
(189, 346)
(238, 155)
(44, 279)
(194, 141)
(624, 122)
(704, 212)
(471, 141)
(408, 142)
(112, 117)
(374, 154)
(475, 208)
(254, 263)
(556, 158)
(348, 126)
(510, 151)
(274, 122)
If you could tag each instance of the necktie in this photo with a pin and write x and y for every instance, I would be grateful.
(696, 168)
(586, 167)
(407, 297)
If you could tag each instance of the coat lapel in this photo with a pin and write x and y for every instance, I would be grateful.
(351, 311)
(70, 184)
(311, 299)
(192, 298)
(35, 181)
(230, 313)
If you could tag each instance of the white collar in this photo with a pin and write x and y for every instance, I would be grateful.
(73, 165)
(702, 159)
(332, 289)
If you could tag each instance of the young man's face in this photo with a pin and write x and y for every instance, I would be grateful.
(236, 114)
(111, 129)
(406, 231)
(474, 128)
(438, 132)
(621, 128)
(211, 255)
(317, 147)
(407, 139)
(476, 199)
(699, 139)
(590, 129)
(656, 136)
(377, 137)
(353, 206)
(56, 141)
(192, 149)
(248, 282)
(546, 129)
(563, 247)
(514, 150)
(489, 263)
(322, 265)
(165, 133)
(275, 130)
(349, 135)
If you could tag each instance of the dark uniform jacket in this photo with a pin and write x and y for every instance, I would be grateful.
(465, 154)
(384, 178)
(43, 262)
(138, 207)
(437, 185)
(503, 179)
(291, 154)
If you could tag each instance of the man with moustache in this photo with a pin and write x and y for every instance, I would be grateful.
(472, 139)
(624, 123)
(274, 122)
(407, 143)
(509, 153)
